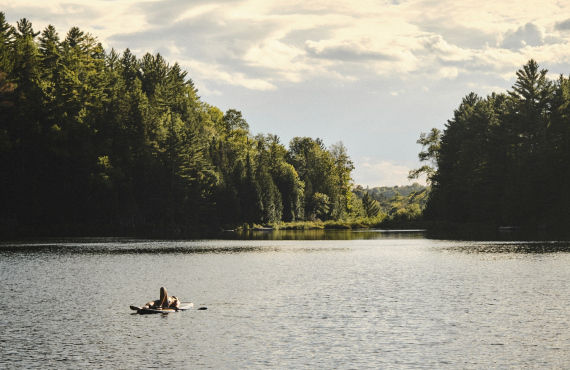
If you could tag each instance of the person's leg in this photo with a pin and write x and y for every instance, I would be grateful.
(163, 297)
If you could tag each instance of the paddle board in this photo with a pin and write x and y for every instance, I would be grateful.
(143, 311)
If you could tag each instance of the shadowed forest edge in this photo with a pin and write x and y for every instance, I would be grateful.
(105, 143)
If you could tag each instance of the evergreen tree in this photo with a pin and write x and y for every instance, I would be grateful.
(502, 159)
(371, 206)
(104, 143)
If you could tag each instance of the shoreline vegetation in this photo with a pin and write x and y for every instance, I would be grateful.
(350, 224)
(100, 143)
(502, 161)
(96, 142)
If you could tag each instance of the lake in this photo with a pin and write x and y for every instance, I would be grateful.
(368, 299)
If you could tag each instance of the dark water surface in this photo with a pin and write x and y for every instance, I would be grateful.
(352, 300)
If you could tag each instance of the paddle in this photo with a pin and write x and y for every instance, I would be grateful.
(185, 306)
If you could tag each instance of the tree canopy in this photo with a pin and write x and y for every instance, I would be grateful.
(95, 141)
(503, 159)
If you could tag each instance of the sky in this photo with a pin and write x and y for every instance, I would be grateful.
(370, 74)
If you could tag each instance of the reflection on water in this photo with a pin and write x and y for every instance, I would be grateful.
(247, 242)
(270, 241)
(365, 234)
(131, 248)
(366, 300)
(494, 234)
(511, 247)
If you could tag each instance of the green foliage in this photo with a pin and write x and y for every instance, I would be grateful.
(397, 206)
(348, 223)
(325, 174)
(371, 206)
(502, 160)
(430, 149)
(320, 204)
(100, 143)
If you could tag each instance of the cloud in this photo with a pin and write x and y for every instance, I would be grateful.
(376, 172)
(460, 35)
(438, 46)
(283, 60)
(563, 26)
(529, 34)
(345, 50)
(163, 13)
(217, 73)
(97, 16)
(265, 45)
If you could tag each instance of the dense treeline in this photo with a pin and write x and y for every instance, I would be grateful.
(398, 205)
(105, 142)
(384, 193)
(504, 159)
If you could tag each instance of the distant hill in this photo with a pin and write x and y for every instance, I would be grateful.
(399, 203)
(382, 193)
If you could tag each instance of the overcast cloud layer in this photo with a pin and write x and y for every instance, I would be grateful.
(372, 74)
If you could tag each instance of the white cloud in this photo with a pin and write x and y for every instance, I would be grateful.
(376, 172)
(247, 43)
(173, 49)
(437, 46)
(447, 72)
(197, 11)
(346, 50)
(217, 73)
(275, 55)
(101, 18)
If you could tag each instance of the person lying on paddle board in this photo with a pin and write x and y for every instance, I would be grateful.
(164, 302)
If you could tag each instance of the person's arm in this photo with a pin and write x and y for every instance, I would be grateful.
(151, 304)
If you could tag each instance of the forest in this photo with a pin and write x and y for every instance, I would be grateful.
(96, 142)
(400, 206)
(503, 160)
(100, 142)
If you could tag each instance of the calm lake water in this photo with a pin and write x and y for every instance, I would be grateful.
(352, 300)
